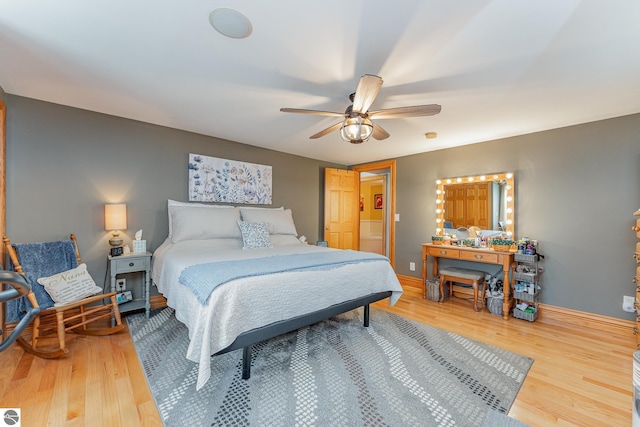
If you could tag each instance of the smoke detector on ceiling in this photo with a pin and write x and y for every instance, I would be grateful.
(230, 23)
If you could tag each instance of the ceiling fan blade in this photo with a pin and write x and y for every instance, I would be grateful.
(402, 112)
(367, 90)
(326, 131)
(316, 112)
(379, 133)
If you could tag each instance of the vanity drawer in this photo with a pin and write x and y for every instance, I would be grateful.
(479, 256)
(444, 251)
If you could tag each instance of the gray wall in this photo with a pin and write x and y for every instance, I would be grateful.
(64, 164)
(576, 191)
(576, 187)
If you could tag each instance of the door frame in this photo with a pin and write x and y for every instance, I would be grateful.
(389, 165)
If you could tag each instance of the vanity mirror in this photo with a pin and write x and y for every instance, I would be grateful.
(484, 201)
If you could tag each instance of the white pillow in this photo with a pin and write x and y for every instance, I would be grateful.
(254, 235)
(264, 209)
(173, 203)
(278, 221)
(70, 286)
(197, 223)
(284, 240)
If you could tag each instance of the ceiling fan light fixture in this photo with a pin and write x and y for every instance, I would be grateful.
(356, 130)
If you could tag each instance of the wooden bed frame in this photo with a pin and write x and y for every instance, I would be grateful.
(254, 336)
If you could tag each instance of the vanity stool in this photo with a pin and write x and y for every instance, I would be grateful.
(474, 278)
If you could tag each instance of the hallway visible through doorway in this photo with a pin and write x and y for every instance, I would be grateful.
(378, 207)
(373, 224)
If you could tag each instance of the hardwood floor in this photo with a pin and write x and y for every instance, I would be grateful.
(580, 377)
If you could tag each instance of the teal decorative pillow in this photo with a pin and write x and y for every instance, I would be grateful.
(254, 235)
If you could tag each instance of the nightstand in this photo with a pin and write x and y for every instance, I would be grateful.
(132, 263)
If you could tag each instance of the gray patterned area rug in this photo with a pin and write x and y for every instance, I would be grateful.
(396, 372)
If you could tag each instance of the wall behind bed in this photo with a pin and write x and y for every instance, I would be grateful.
(64, 163)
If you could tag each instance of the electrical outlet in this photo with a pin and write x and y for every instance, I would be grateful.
(121, 285)
(628, 304)
(412, 266)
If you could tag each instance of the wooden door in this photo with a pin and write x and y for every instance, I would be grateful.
(341, 208)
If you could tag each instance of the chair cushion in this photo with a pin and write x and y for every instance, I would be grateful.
(462, 273)
(70, 286)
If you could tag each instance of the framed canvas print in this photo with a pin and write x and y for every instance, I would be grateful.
(377, 201)
(220, 180)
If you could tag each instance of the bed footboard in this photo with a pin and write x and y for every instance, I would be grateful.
(247, 339)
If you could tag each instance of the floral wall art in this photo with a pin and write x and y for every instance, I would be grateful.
(219, 180)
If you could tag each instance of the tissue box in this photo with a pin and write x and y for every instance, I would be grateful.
(139, 246)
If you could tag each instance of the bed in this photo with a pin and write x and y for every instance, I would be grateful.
(254, 306)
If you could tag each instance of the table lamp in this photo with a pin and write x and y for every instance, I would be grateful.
(115, 220)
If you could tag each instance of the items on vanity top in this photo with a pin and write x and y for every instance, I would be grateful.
(499, 244)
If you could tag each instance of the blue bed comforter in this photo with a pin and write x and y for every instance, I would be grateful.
(203, 279)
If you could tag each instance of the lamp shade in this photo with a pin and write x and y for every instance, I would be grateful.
(115, 216)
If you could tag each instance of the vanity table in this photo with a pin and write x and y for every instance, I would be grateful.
(483, 255)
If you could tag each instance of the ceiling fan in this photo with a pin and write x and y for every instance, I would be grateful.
(357, 126)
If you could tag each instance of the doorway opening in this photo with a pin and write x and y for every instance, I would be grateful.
(373, 213)
(377, 208)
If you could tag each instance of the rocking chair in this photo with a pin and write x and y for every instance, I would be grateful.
(44, 261)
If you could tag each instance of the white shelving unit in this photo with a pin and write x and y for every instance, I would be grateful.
(527, 286)
(636, 279)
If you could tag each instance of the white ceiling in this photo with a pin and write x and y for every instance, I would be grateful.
(498, 67)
